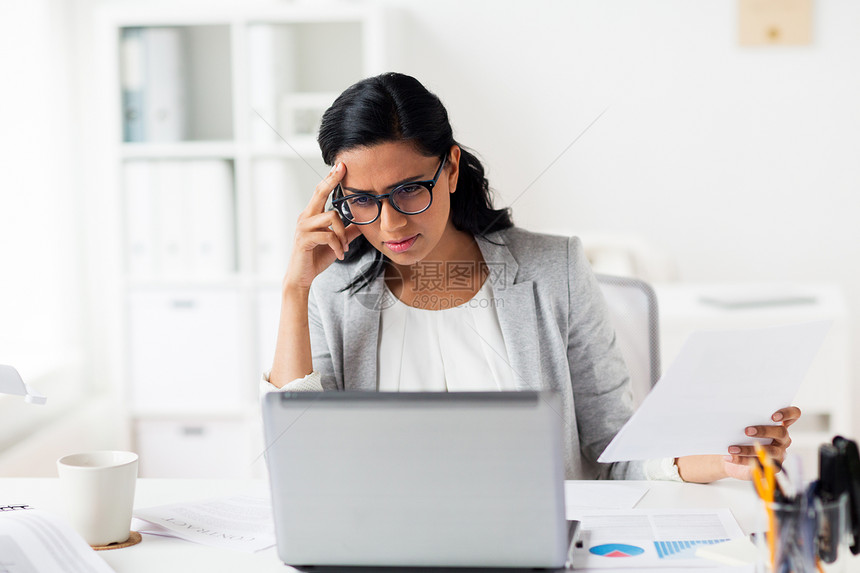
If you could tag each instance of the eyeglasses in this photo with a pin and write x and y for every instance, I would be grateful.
(410, 199)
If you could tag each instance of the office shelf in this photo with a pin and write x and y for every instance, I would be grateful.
(208, 153)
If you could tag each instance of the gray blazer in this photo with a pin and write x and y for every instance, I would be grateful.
(555, 326)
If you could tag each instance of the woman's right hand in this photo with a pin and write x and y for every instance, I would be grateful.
(321, 236)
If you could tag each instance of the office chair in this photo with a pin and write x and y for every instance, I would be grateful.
(634, 314)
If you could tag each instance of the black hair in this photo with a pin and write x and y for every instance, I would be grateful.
(396, 107)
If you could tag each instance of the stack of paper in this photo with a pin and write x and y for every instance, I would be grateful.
(241, 522)
(33, 540)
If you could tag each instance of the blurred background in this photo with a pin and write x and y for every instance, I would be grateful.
(155, 156)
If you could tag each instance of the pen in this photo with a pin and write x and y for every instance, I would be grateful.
(809, 528)
(828, 490)
(850, 462)
(764, 483)
(767, 464)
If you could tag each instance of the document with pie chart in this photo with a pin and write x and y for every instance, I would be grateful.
(637, 538)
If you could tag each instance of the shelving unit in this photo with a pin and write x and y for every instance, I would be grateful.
(196, 219)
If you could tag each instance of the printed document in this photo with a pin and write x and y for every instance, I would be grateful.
(720, 383)
(640, 538)
(242, 522)
(32, 540)
(608, 494)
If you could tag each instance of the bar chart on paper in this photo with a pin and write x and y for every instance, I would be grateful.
(682, 549)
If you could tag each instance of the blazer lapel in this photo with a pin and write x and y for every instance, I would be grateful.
(515, 308)
(361, 336)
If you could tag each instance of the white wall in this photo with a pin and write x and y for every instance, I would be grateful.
(743, 162)
(40, 278)
(740, 161)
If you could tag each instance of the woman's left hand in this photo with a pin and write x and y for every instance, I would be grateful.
(740, 459)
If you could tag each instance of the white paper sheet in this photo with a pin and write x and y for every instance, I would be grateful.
(241, 522)
(720, 383)
(32, 540)
(582, 496)
(638, 538)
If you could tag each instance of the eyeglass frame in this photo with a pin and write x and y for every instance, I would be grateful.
(428, 184)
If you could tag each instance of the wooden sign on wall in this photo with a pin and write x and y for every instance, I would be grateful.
(774, 22)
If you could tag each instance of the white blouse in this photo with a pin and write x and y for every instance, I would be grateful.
(453, 349)
(456, 349)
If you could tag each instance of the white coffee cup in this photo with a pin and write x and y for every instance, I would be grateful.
(98, 493)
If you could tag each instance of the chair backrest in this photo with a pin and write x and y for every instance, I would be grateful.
(634, 314)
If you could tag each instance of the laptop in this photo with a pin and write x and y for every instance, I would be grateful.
(465, 479)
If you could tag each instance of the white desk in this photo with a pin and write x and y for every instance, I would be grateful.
(166, 555)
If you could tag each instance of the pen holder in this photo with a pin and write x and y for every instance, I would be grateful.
(806, 537)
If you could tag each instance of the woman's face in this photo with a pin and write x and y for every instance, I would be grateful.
(405, 239)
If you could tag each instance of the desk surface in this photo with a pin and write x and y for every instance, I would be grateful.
(166, 555)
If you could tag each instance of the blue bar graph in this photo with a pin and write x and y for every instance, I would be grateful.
(681, 549)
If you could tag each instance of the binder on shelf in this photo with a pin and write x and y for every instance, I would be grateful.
(153, 84)
(277, 205)
(132, 79)
(179, 218)
(271, 73)
(139, 219)
(172, 214)
(164, 111)
(212, 222)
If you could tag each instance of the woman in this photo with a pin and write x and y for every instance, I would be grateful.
(436, 290)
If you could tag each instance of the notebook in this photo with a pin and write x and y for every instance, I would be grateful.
(466, 479)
